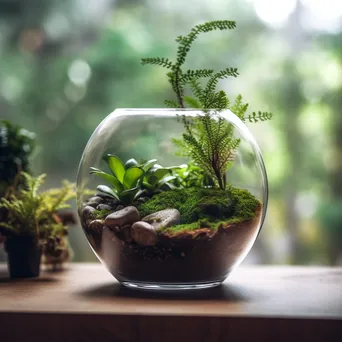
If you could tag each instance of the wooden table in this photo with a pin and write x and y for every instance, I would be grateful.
(259, 303)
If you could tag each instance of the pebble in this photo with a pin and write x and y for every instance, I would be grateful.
(96, 225)
(144, 233)
(163, 218)
(88, 213)
(104, 207)
(122, 217)
(126, 230)
(94, 201)
(120, 207)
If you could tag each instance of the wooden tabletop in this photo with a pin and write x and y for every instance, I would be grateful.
(256, 303)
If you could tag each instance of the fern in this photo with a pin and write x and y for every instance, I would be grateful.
(208, 139)
(195, 74)
(260, 116)
(171, 103)
(31, 212)
(193, 103)
(164, 62)
(177, 77)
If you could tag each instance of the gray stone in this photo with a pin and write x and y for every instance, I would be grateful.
(122, 217)
(96, 225)
(97, 199)
(126, 231)
(163, 218)
(120, 207)
(144, 233)
(104, 207)
(88, 214)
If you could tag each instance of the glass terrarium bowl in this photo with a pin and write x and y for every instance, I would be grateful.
(168, 225)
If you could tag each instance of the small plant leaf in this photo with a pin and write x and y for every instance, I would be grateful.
(148, 186)
(160, 173)
(108, 191)
(166, 180)
(131, 162)
(149, 164)
(140, 193)
(127, 196)
(132, 176)
(153, 176)
(116, 166)
(109, 178)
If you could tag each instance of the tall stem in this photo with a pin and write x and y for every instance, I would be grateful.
(178, 89)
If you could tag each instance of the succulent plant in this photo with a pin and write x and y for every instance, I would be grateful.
(131, 180)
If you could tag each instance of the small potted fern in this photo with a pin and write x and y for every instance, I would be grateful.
(32, 220)
(188, 224)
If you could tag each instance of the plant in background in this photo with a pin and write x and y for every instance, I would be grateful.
(33, 213)
(133, 180)
(16, 146)
(208, 139)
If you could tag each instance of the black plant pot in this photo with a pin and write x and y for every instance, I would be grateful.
(24, 255)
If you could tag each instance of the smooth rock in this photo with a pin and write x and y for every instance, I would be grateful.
(163, 218)
(144, 233)
(114, 229)
(125, 216)
(104, 207)
(97, 199)
(120, 207)
(88, 214)
(126, 231)
(96, 225)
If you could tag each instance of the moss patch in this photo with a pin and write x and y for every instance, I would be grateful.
(101, 214)
(204, 207)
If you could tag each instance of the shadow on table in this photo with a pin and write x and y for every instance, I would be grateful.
(227, 292)
(43, 278)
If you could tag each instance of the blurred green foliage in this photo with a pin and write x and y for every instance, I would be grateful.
(16, 147)
(66, 64)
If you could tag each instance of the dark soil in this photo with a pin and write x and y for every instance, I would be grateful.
(196, 256)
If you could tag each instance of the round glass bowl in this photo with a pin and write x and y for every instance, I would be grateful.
(158, 220)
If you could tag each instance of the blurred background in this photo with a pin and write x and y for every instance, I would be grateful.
(66, 64)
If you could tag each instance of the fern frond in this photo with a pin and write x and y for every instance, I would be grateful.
(192, 102)
(196, 89)
(191, 74)
(186, 42)
(260, 116)
(217, 101)
(239, 108)
(171, 104)
(164, 62)
(212, 83)
(7, 226)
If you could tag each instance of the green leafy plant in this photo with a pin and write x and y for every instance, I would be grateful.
(31, 212)
(16, 146)
(208, 139)
(210, 143)
(124, 179)
(132, 180)
(191, 175)
(156, 178)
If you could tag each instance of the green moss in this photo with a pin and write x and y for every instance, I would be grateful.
(101, 214)
(198, 205)
(213, 225)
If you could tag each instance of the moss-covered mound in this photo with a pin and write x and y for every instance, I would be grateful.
(204, 205)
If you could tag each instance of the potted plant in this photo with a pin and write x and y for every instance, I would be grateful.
(16, 147)
(32, 220)
(189, 224)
